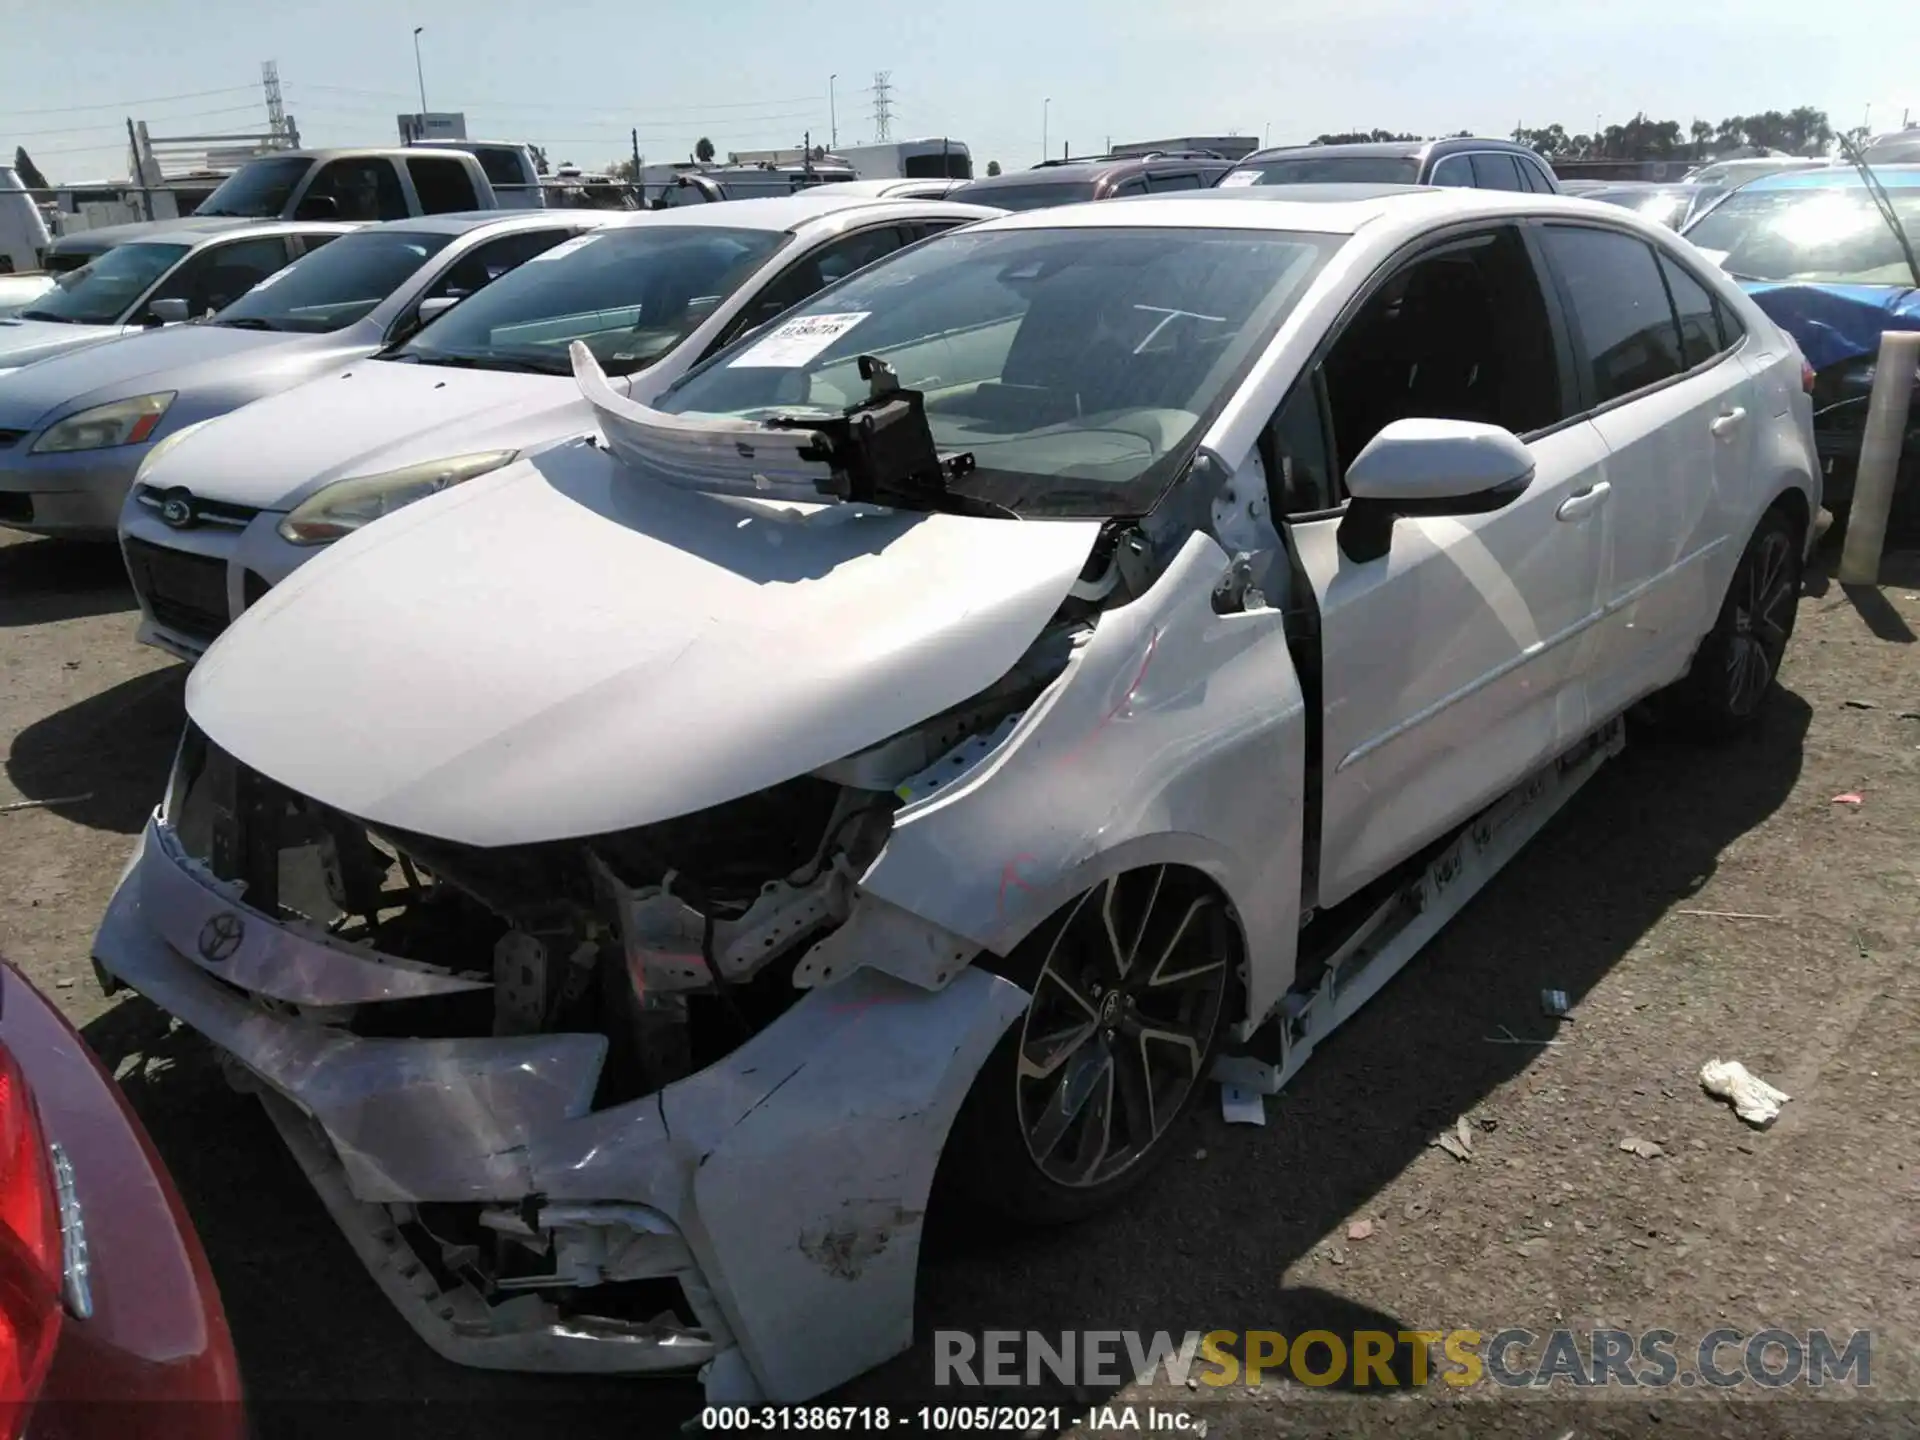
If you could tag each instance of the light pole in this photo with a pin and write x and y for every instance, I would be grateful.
(421, 76)
(1046, 108)
(833, 122)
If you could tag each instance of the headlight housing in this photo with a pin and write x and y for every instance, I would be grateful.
(346, 505)
(152, 457)
(122, 422)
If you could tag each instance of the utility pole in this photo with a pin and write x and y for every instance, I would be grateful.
(420, 74)
(140, 171)
(276, 111)
(882, 106)
(638, 193)
(833, 116)
(1046, 112)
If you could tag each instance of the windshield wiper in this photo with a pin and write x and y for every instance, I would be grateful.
(882, 450)
(248, 322)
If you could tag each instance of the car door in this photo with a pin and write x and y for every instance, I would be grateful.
(1454, 664)
(1673, 404)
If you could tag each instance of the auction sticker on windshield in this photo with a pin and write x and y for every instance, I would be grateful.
(798, 340)
(1239, 178)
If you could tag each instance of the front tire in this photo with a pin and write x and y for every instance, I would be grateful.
(1131, 986)
(1738, 662)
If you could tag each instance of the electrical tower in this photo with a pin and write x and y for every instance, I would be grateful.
(882, 106)
(276, 112)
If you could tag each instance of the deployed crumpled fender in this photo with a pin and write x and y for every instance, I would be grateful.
(1176, 736)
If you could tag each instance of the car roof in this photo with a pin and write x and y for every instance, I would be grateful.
(1836, 177)
(1397, 149)
(1057, 172)
(463, 222)
(781, 213)
(197, 235)
(1317, 209)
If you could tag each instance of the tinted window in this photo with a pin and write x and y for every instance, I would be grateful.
(217, 275)
(1135, 185)
(334, 287)
(814, 272)
(1536, 177)
(1462, 334)
(260, 189)
(502, 167)
(1299, 465)
(101, 292)
(1326, 169)
(1732, 332)
(1173, 182)
(950, 165)
(1454, 170)
(365, 189)
(1026, 197)
(1086, 399)
(442, 183)
(1496, 172)
(1693, 305)
(1626, 327)
(630, 294)
(1829, 233)
(484, 264)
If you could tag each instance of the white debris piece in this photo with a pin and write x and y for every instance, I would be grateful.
(1754, 1101)
(1241, 1106)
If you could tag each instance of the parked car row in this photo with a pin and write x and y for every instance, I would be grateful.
(712, 726)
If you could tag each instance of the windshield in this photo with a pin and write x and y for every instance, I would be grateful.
(330, 289)
(259, 189)
(1026, 197)
(631, 294)
(1078, 366)
(1316, 169)
(102, 292)
(1825, 234)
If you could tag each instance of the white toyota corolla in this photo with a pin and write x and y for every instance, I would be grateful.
(1072, 657)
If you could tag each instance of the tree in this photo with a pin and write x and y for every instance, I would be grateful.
(703, 150)
(28, 172)
(993, 167)
(620, 170)
(1362, 137)
(1700, 134)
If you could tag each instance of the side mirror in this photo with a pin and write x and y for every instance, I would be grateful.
(437, 305)
(317, 207)
(1429, 467)
(168, 312)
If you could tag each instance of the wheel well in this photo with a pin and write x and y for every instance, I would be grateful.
(1793, 504)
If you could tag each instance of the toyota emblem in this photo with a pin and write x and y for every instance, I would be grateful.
(177, 511)
(221, 936)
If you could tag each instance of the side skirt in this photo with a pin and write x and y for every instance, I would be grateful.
(1382, 944)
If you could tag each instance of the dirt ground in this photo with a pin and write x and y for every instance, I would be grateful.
(1693, 903)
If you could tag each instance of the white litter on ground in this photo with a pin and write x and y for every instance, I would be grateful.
(1240, 1106)
(1754, 1101)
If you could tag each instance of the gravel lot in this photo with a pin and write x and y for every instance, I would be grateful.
(1815, 1222)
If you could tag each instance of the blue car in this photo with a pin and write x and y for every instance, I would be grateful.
(1814, 250)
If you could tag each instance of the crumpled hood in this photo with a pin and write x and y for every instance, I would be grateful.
(1832, 323)
(175, 358)
(24, 341)
(568, 647)
(363, 419)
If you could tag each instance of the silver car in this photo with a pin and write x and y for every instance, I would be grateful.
(170, 274)
(74, 430)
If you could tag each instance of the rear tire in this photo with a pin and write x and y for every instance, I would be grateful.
(1738, 663)
(1131, 984)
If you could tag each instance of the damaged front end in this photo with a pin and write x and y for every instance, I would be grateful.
(590, 1104)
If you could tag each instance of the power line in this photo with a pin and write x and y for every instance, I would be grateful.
(674, 113)
(131, 104)
(120, 130)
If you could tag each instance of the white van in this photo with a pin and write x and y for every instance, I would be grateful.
(23, 232)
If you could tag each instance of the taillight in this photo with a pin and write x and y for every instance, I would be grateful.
(30, 1254)
(1806, 375)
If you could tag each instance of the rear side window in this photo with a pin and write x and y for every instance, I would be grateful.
(1454, 170)
(1173, 182)
(442, 183)
(1627, 335)
(1700, 338)
(502, 167)
(1496, 172)
(1534, 178)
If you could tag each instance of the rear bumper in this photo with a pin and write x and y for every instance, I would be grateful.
(782, 1188)
(155, 1357)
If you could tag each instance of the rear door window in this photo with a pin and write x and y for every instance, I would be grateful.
(1693, 306)
(442, 183)
(1626, 331)
(1496, 172)
(1454, 170)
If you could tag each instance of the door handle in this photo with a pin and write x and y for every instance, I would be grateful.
(1727, 423)
(1583, 502)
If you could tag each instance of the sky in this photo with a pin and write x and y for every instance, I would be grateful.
(577, 75)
